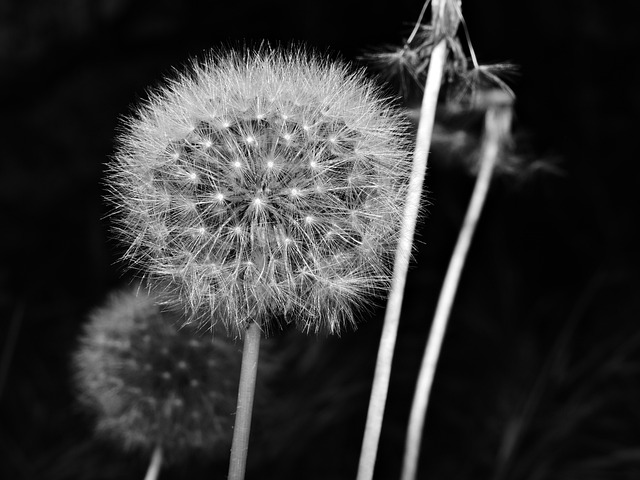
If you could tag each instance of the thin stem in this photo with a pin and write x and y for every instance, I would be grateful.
(394, 303)
(472, 52)
(156, 463)
(246, 390)
(417, 25)
(494, 134)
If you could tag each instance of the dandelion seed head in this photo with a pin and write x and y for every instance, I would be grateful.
(144, 378)
(320, 123)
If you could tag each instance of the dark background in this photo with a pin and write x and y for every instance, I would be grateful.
(540, 373)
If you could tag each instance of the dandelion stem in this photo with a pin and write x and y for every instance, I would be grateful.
(497, 123)
(156, 463)
(394, 303)
(246, 390)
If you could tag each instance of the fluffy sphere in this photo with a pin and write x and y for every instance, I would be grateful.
(264, 185)
(151, 383)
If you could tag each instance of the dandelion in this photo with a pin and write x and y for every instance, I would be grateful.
(154, 386)
(264, 186)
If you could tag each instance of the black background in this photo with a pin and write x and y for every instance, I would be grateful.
(540, 373)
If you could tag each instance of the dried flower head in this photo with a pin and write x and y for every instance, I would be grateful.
(463, 75)
(151, 383)
(264, 185)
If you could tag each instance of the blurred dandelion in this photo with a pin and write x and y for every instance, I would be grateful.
(154, 386)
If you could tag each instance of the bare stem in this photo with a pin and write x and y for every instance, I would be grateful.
(497, 121)
(394, 303)
(154, 466)
(246, 390)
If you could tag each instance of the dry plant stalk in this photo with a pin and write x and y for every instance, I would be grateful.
(445, 19)
(394, 303)
(496, 132)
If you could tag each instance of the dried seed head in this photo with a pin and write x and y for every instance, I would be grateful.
(151, 383)
(264, 185)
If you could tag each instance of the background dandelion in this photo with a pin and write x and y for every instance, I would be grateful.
(150, 383)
